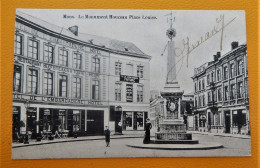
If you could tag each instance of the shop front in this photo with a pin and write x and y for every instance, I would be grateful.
(134, 120)
(62, 120)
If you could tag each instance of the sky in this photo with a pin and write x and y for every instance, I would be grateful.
(150, 35)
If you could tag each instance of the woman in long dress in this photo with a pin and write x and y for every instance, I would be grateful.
(148, 126)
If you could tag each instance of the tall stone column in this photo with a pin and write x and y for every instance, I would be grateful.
(171, 61)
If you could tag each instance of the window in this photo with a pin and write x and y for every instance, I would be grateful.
(95, 89)
(32, 81)
(203, 100)
(239, 89)
(208, 79)
(232, 91)
(209, 97)
(140, 93)
(212, 77)
(203, 84)
(195, 87)
(63, 57)
(232, 70)
(63, 80)
(199, 85)
(118, 67)
(18, 44)
(140, 71)
(239, 69)
(225, 73)
(218, 75)
(76, 87)
(226, 93)
(48, 83)
(196, 102)
(17, 78)
(33, 49)
(77, 59)
(219, 95)
(48, 53)
(96, 64)
(118, 87)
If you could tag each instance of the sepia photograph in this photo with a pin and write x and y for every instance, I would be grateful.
(110, 83)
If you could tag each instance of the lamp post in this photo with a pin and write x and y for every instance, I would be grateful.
(27, 106)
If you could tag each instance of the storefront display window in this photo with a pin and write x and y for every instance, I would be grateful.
(76, 120)
(129, 120)
(63, 121)
(140, 119)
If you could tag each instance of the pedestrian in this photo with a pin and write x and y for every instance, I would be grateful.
(107, 136)
(148, 126)
(120, 127)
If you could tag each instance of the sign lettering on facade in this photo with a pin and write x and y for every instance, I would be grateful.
(46, 99)
(131, 79)
(129, 92)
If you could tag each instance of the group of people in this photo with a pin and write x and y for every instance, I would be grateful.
(146, 140)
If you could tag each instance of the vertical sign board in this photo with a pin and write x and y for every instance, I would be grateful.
(129, 92)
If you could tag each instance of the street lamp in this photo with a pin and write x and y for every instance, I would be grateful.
(27, 106)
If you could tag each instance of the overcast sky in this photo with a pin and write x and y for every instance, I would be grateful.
(150, 35)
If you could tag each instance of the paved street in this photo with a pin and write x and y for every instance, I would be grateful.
(96, 148)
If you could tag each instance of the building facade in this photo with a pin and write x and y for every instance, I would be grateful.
(66, 80)
(221, 101)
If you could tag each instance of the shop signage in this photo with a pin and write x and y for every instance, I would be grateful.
(132, 79)
(129, 92)
(48, 66)
(35, 98)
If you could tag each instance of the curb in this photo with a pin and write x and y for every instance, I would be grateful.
(73, 140)
(177, 148)
(221, 135)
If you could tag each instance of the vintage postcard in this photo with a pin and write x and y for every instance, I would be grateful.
(130, 83)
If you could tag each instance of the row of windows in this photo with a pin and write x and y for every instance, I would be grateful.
(48, 54)
(229, 94)
(48, 83)
(118, 92)
(211, 76)
(129, 69)
(233, 71)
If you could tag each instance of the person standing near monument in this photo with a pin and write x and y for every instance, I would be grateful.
(148, 126)
(107, 136)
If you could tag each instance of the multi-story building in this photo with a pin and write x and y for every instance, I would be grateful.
(221, 101)
(76, 82)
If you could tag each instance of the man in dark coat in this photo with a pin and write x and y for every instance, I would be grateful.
(107, 136)
(148, 126)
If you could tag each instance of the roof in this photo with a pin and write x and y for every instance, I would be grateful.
(113, 44)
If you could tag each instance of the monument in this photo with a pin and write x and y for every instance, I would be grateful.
(172, 127)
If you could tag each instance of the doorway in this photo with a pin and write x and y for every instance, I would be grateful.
(95, 122)
(227, 122)
(31, 121)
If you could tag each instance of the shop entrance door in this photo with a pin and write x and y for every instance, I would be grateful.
(16, 121)
(117, 120)
(31, 124)
(227, 122)
(95, 122)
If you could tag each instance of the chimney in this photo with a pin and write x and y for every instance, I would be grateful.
(218, 55)
(74, 30)
(215, 58)
(234, 45)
